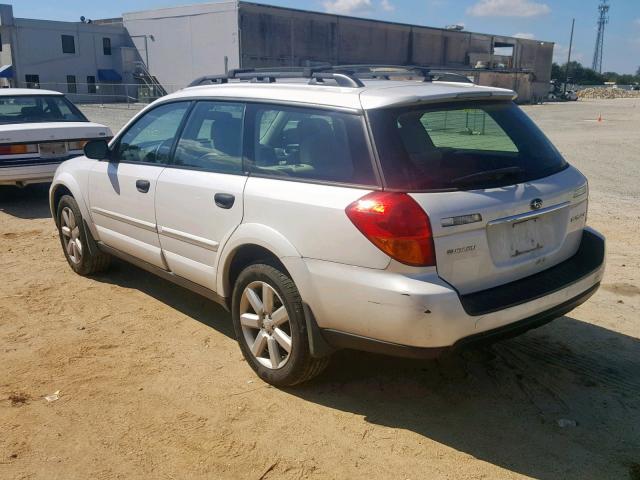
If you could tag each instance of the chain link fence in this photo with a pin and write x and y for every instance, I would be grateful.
(117, 95)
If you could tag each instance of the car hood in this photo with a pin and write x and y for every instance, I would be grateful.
(52, 131)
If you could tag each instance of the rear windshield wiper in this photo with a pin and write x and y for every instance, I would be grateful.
(491, 175)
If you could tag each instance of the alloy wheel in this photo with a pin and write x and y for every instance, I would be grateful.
(71, 235)
(265, 325)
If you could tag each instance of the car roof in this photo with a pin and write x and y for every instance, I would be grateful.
(374, 93)
(8, 92)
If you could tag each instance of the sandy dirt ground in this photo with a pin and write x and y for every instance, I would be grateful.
(152, 384)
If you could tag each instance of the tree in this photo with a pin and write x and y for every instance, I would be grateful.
(579, 74)
(585, 76)
(626, 79)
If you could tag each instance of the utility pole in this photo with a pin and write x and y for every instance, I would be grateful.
(566, 70)
(603, 19)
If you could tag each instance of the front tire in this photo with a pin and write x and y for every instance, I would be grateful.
(81, 252)
(270, 326)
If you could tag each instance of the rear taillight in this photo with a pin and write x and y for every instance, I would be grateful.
(77, 145)
(397, 225)
(18, 149)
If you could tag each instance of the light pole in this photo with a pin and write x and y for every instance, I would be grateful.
(566, 73)
(146, 46)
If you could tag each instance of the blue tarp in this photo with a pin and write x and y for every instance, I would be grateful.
(6, 71)
(109, 76)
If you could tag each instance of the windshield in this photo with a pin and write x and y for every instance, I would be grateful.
(461, 146)
(37, 109)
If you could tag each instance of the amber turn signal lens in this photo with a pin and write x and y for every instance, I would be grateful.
(18, 149)
(77, 145)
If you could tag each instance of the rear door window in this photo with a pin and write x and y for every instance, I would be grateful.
(461, 146)
(312, 144)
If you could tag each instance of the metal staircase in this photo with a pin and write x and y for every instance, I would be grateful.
(150, 88)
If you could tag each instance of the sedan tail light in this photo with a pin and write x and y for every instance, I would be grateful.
(397, 225)
(77, 145)
(18, 149)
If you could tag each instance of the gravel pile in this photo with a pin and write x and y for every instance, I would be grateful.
(607, 93)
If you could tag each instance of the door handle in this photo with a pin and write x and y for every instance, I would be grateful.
(143, 185)
(224, 200)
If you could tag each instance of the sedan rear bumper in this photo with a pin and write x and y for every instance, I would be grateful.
(40, 172)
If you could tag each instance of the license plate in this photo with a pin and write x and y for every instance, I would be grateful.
(525, 237)
(54, 149)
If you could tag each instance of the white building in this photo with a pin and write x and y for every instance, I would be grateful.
(88, 61)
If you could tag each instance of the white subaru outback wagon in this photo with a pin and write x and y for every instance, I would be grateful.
(338, 208)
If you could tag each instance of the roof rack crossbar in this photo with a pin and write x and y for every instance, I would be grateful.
(386, 71)
(343, 79)
(209, 79)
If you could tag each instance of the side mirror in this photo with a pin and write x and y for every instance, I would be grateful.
(97, 150)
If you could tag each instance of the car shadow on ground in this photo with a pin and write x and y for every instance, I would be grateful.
(561, 401)
(558, 402)
(191, 304)
(30, 202)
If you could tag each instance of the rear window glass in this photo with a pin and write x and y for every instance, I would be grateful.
(461, 146)
(304, 143)
(468, 129)
(37, 109)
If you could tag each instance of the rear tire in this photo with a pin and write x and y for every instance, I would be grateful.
(80, 250)
(270, 326)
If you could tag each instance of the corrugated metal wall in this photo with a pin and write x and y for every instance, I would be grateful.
(274, 36)
(281, 36)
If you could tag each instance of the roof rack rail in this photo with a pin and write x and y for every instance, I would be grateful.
(316, 75)
(350, 76)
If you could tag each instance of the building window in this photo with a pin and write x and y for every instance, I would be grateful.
(68, 44)
(106, 46)
(33, 81)
(0, 42)
(72, 87)
(91, 84)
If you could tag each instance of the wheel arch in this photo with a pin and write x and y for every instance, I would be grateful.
(66, 184)
(249, 243)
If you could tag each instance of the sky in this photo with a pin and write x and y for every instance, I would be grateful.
(548, 20)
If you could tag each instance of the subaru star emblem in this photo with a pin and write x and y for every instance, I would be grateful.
(536, 204)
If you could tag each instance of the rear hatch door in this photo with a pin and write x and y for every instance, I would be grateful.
(503, 203)
(514, 231)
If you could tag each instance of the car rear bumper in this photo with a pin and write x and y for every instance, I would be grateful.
(424, 316)
(40, 172)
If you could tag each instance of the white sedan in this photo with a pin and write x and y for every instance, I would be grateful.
(39, 129)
